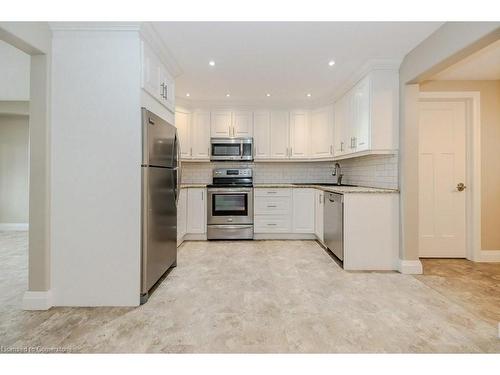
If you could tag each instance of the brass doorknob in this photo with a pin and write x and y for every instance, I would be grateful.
(461, 186)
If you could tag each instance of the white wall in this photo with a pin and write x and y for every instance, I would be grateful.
(95, 163)
(14, 170)
(14, 73)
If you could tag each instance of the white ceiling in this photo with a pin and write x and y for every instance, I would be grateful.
(286, 59)
(481, 65)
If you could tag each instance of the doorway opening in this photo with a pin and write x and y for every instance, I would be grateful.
(14, 172)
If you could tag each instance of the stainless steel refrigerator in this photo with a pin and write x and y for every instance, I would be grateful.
(160, 192)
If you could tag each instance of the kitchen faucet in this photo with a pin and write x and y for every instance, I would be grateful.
(338, 172)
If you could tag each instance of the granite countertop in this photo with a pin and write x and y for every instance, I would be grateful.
(329, 188)
(185, 186)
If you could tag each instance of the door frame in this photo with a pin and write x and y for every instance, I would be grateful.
(472, 100)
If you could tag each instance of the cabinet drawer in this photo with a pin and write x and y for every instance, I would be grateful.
(278, 192)
(272, 224)
(270, 205)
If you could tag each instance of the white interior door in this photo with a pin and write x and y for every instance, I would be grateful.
(442, 207)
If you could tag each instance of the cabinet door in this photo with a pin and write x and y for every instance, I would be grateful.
(150, 72)
(299, 135)
(361, 115)
(339, 128)
(181, 215)
(318, 212)
(279, 134)
(262, 134)
(200, 135)
(242, 124)
(303, 210)
(321, 133)
(221, 124)
(196, 210)
(183, 125)
(166, 88)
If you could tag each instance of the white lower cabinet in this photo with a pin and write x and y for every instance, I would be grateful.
(181, 216)
(284, 210)
(191, 214)
(319, 204)
(303, 210)
(196, 211)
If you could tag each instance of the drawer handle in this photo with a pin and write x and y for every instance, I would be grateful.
(271, 224)
(271, 192)
(271, 206)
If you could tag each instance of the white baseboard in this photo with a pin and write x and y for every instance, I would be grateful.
(37, 300)
(14, 226)
(410, 267)
(284, 236)
(195, 237)
(488, 256)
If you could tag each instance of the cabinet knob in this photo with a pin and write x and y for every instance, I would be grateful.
(461, 186)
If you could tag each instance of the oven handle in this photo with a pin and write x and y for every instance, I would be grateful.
(229, 190)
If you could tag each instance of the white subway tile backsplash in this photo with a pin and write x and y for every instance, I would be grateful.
(374, 171)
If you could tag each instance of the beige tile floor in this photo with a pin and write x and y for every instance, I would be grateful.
(261, 296)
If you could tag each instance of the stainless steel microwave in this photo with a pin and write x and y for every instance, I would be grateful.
(234, 149)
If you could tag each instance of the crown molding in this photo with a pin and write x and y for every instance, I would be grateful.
(152, 37)
(95, 26)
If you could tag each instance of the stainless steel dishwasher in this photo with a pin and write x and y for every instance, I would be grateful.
(334, 223)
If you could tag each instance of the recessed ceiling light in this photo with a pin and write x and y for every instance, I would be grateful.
(308, 95)
(331, 63)
(228, 95)
(211, 63)
(268, 95)
(188, 94)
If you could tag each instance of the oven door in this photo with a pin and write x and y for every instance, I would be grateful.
(230, 206)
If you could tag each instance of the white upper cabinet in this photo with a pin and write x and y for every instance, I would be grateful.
(321, 133)
(279, 134)
(262, 134)
(299, 134)
(183, 125)
(361, 111)
(366, 117)
(232, 124)
(200, 135)
(242, 124)
(156, 80)
(341, 116)
(193, 130)
(221, 124)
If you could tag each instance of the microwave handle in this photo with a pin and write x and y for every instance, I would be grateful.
(241, 149)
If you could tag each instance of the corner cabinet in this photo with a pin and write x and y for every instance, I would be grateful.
(321, 133)
(156, 80)
(366, 117)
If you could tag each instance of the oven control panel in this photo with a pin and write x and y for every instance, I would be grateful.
(232, 172)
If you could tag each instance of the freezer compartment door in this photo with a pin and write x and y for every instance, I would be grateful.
(159, 141)
(159, 224)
